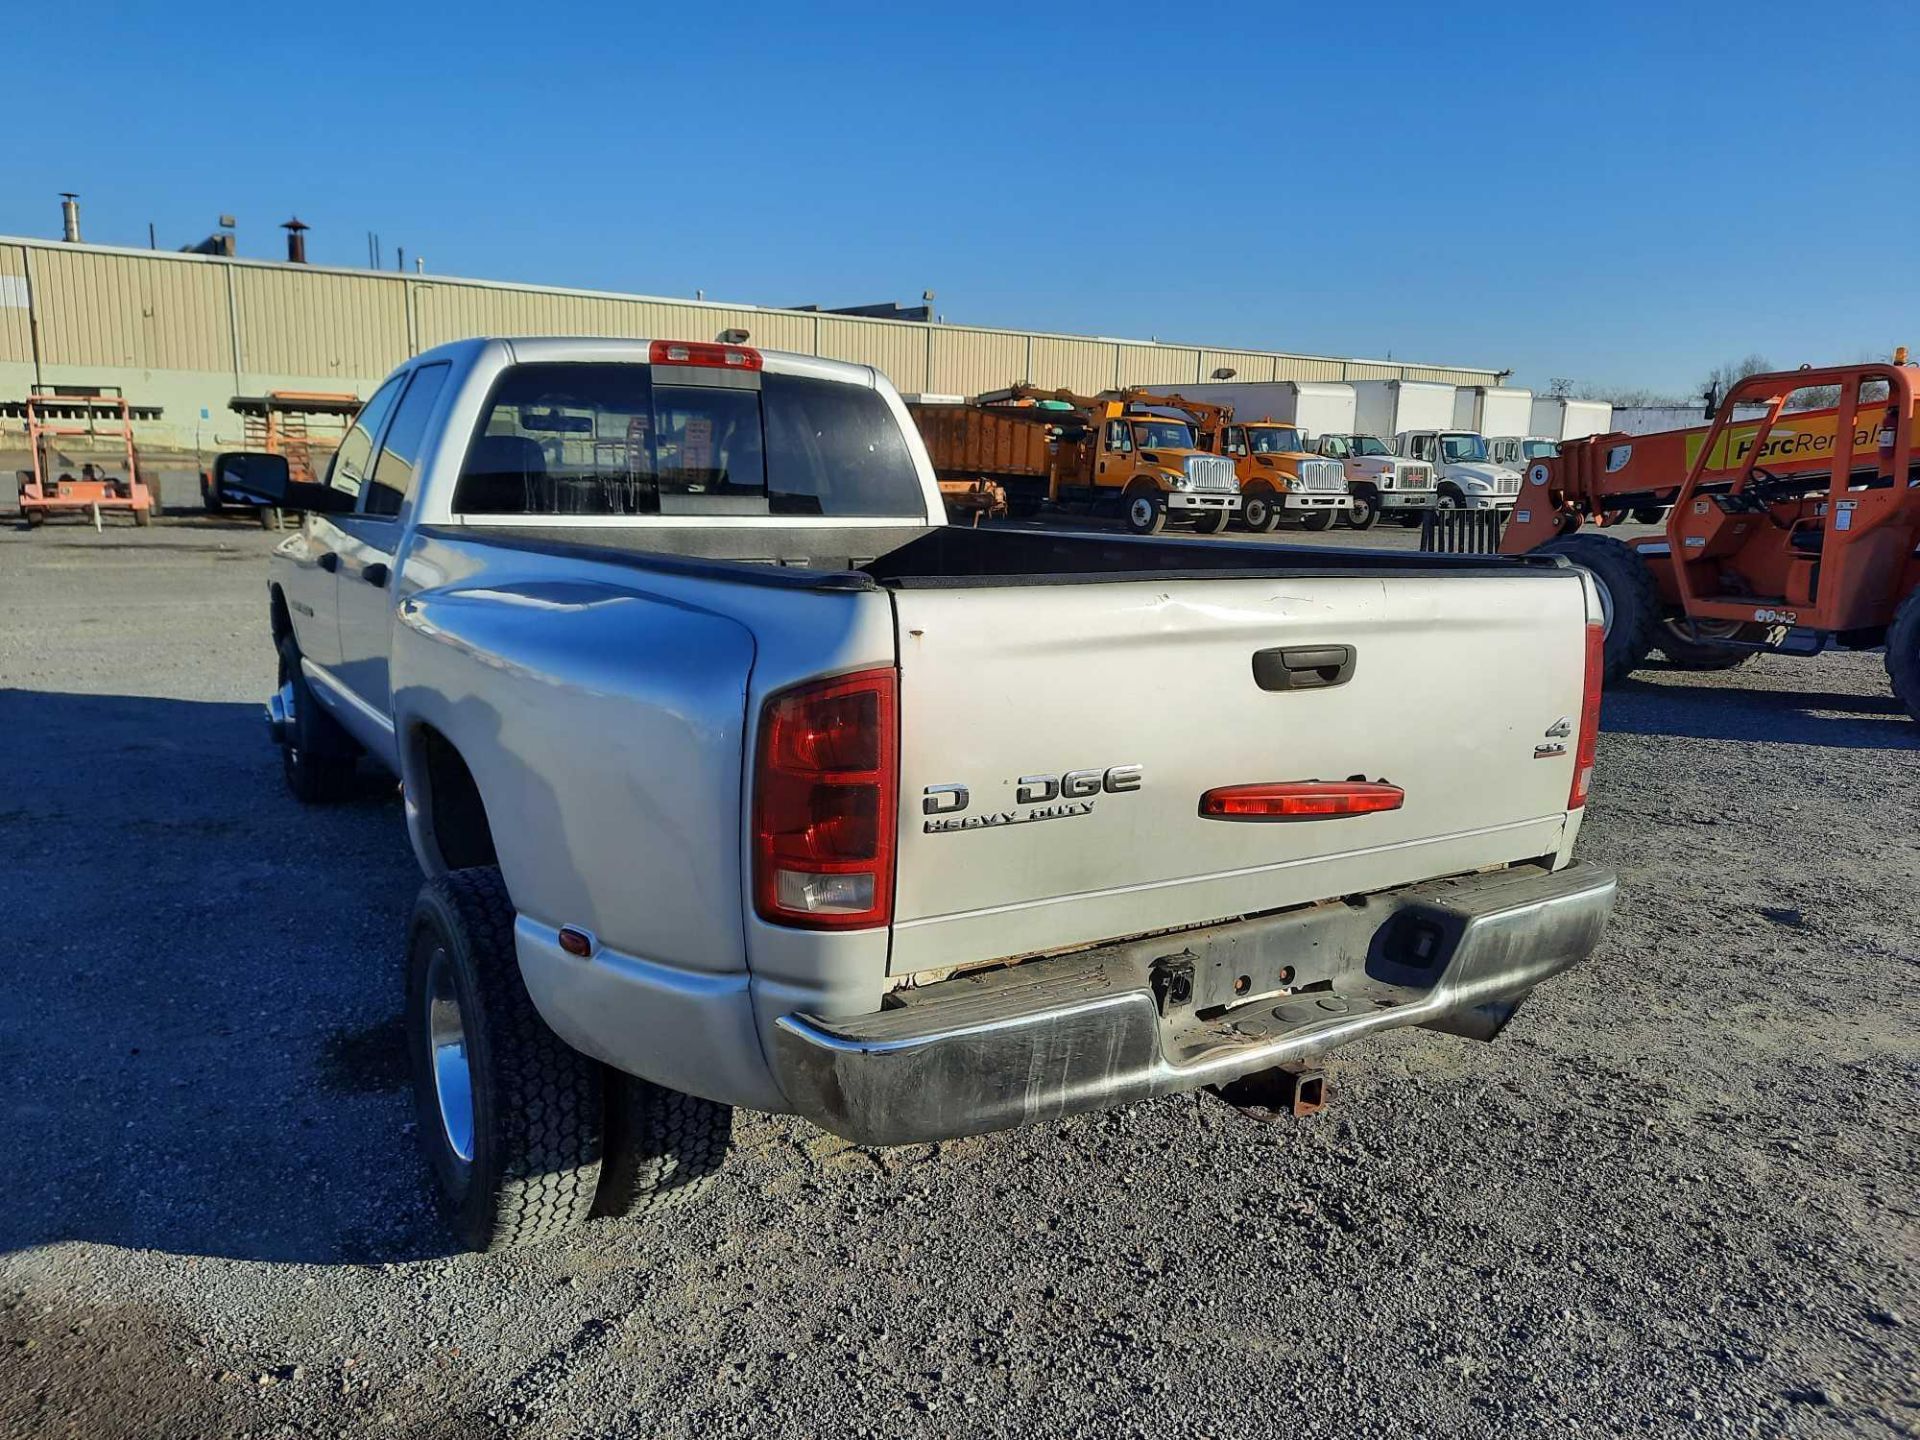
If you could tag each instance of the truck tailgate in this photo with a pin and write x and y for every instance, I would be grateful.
(1457, 679)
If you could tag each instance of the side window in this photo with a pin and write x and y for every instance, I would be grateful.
(1236, 440)
(395, 470)
(1423, 447)
(1119, 437)
(348, 473)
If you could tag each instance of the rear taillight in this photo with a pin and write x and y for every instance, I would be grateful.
(825, 803)
(1301, 800)
(1589, 746)
(697, 352)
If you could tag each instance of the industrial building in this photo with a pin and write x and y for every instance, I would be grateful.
(186, 332)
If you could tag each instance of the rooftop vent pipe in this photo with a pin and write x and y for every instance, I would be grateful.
(296, 229)
(69, 217)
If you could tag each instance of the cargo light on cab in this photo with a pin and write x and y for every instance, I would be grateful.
(825, 800)
(699, 352)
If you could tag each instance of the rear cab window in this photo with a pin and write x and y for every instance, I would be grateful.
(627, 439)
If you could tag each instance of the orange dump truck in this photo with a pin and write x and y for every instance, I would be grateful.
(1100, 451)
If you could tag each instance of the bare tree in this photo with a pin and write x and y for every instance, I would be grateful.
(1723, 377)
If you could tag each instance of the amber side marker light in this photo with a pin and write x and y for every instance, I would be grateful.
(1301, 800)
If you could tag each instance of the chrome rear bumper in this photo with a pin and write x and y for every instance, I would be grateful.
(1154, 1017)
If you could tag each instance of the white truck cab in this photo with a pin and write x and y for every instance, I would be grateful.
(1379, 479)
(1467, 477)
(1516, 452)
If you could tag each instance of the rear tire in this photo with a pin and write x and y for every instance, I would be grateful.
(143, 518)
(509, 1115)
(1144, 509)
(1258, 512)
(1366, 510)
(1209, 522)
(1320, 520)
(316, 755)
(662, 1148)
(1672, 640)
(1629, 600)
(1650, 514)
(1903, 654)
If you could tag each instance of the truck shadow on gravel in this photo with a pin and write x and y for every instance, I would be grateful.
(1672, 707)
(200, 1049)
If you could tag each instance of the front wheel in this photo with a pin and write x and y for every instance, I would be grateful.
(1320, 520)
(1694, 646)
(1209, 522)
(1449, 500)
(1146, 510)
(509, 1115)
(1366, 510)
(316, 755)
(1258, 512)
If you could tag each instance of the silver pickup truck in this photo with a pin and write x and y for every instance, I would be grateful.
(739, 779)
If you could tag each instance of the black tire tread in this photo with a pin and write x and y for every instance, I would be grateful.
(320, 766)
(1685, 654)
(1636, 600)
(663, 1148)
(1903, 654)
(546, 1110)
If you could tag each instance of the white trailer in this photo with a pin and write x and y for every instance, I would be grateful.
(1557, 418)
(1392, 407)
(1493, 410)
(1318, 407)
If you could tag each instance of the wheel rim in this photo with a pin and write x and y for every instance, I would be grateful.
(1446, 502)
(447, 1047)
(1256, 513)
(1362, 511)
(1705, 632)
(1142, 511)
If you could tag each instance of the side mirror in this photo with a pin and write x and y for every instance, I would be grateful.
(254, 477)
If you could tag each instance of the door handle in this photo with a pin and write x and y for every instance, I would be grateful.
(329, 562)
(376, 575)
(1304, 667)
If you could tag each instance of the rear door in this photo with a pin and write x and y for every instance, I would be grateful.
(369, 543)
(1056, 742)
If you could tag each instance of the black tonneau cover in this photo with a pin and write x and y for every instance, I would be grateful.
(951, 557)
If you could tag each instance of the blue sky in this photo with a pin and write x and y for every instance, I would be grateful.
(1619, 195)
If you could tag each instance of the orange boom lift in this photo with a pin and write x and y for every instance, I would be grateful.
(1790, 533)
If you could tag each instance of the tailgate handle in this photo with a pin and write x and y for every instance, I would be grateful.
(1303, 667)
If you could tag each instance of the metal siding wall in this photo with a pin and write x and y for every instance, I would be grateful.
(1293, 367)
(1251, 364)
(16, 321)
(295, 321)
(1373, 372)
(1156, 365)
(1083, 365)
(896, 350)
(967, 362)
(149, 312)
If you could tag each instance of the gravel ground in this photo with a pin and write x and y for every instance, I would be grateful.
(1678, 1197)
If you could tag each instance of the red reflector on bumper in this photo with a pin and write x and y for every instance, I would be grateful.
(1301, 800)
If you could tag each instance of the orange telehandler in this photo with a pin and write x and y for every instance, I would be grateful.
(1788, 533)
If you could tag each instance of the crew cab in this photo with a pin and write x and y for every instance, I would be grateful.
(1378, 479)
(737, 778)
(1465, 478)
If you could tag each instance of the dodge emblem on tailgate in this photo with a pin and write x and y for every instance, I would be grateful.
(1036, 797)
